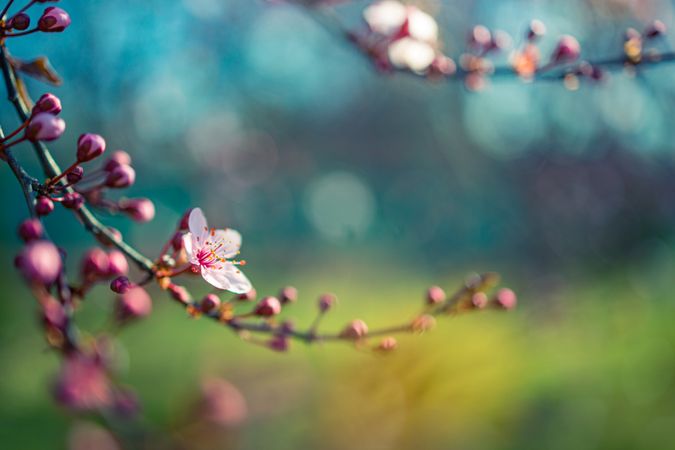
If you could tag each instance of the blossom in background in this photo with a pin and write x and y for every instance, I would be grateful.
(411, 35)
(212, 251)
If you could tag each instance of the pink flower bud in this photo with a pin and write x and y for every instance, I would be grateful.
(120, 285)
(536, 30)
(83, 384)
(184, 223)
(221, 403)
(117, 158)
(75, 175)
(53, 313)
(423, 323)
(40, 262)
(95, 264)
(267, 307)
(45, 127)
(249, 296)
(43, 206)
(73, 200)
(480, 37)
(139, 209)
(177, 240)
(90, 146)
(355, 330)
(117, 264)
(121, 177)
(289, 294)
(326, 302)
(53, 20)
(133, 303)
(656, 29)
(279, 343)
(387, 344)
(19, 22)
(505, 299)
(31, 230)
(479, 300)
(209, 303)
(435, 295)
(48, 103)
(567, 50)
(179, 293)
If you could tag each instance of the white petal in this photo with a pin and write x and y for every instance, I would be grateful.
(422, 26)
(190, 247)
(385, 17)
(409, 53)
(225, 243)
(198, 226)
(228, 278)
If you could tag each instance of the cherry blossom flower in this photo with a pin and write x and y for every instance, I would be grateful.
(212, 251)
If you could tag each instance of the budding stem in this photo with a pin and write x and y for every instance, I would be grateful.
(56, 179)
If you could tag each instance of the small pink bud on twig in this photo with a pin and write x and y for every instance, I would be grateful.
(279, 343)
(221, 404)
(249, 296)
(355, 330)
(31, 230)
(45, 127)
(656, 29)
(48, 103)
(479, 300)
(90, 146)
(423, 323)
(53, 20)
(73, 200)
(139, 209)
(95, 264)
(120, 285)
(435, 295)
(289, 294)
(326, 302)
(75, 175)
(179, 293)
(83, 384)
(121, 176)
(19, 22)
(116, 159)
(536, 30)
(133, 303)
(117, 264)
(267, 307)
(566, 51)
(209, 303)
(44, 206)
(387, 344)
(505, 299)
(39, 262)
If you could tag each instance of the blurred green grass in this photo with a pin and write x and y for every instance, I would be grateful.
(582, 365)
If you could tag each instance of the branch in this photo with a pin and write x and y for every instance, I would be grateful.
(52, 169)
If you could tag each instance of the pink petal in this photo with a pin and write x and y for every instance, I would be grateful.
(228, 278)
(198, 226)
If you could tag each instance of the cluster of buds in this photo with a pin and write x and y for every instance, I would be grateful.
(403, 37)
(52, 20)
(636, 43)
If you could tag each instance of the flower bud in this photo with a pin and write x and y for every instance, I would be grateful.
(117, 264)
(289, 294)
(19, 22)
(121, 177)
(75, 175)
(45, 127)
(177, 241)
(184, 223)
(73, 200)
(95, 264)
(117, 158)
(133, 303)
(43, 206)
(53, 20)
(355, 330)
(435, 295)
(83, 384)
(656, 29)
(139, 209)
(505, 299)
(423, 323)
(567, 50)
(279, 343)
(220, 404)
(179, 293)
(249, 296)
(53, 313)
(480, 37)
(31, 230)
(90, 146)
(48, 103)
(120, 285)
(39, 262)
(387, 344)
(479, 300)
(267, 307)
(536, 30)
(209, 303)
(326, 302)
